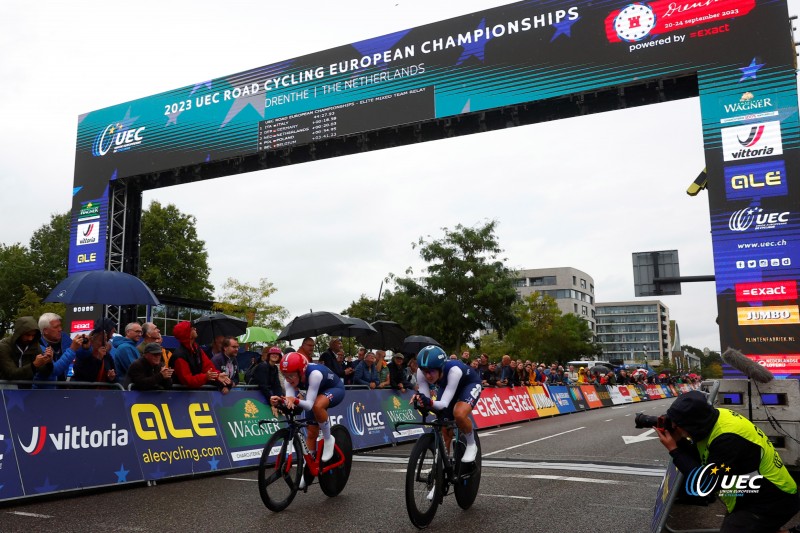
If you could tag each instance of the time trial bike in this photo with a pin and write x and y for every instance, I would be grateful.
(432, 471)
(286, 458)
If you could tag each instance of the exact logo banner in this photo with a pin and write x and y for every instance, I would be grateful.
(752, 141)
(766, 290)
(758, 180)
(769, 315)
(60, 448)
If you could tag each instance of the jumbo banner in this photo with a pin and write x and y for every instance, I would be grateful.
(176, 433)
(10, 482)
(543, 401)
(503, 405)
(69, 439)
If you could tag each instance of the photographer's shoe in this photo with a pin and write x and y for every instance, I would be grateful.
(470, 452)
(327, 449)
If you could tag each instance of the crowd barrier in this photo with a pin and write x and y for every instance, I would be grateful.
(62, 440)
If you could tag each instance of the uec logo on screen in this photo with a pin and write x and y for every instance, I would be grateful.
(118, 136)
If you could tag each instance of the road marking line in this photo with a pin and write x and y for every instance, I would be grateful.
(609, 420)
(532, 442)
(497, 431)
(570, 478)
(32, 515)
(240, 479)
(533, 465)
(505, 496)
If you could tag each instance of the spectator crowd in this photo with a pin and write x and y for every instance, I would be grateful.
(41, 353)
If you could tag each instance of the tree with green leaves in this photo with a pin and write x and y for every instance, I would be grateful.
(252, 301)
(16, 272)
(49, 252)
(466, 287)
(173, 260)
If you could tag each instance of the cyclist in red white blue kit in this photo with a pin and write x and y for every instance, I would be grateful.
(324, 389)
(459, 388)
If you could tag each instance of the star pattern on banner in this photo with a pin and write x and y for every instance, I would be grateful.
(213, 462)
(379, 45)
(239, 104)
(113, 175)
(564, 28)
(157, 473)
(15, 399)
(476, 48)
(76, 190)
(46, 487)
(207, 84)
(749, 72)
(122, 474)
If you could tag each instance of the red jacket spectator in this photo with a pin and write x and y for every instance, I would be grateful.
(190, 362)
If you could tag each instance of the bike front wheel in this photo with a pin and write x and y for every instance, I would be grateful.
(424, 481)
(333, 481)
(279, 470)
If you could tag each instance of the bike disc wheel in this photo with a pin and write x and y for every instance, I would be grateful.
(279, 470)
(333, 481)
(424, 481)
(466, 489)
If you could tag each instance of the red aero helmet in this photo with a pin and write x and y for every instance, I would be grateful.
(294, 362)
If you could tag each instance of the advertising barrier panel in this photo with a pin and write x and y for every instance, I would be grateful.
(176, 433)
(634, 393)
(590, 394)
(503, 406)
(655, 392)
(361, 413)
(397, 408)
(10, 482)
(668, 393)
(70, 439)
(617, 397)
(577, 398)
(641, 390)
(238, 414)
(603, 394)
(561, 396)
(543, 401)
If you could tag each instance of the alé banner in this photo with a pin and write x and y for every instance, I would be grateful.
(69, 439)
(176, 433)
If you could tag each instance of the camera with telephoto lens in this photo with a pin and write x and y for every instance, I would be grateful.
(646, 421)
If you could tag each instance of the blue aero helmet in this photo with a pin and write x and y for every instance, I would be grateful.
(431, 358)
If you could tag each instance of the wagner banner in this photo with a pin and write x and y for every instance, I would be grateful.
(239, 413)
(175, 433)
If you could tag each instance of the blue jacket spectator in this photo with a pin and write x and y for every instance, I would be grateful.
(124, 349)
(366, 373)
(61, 346)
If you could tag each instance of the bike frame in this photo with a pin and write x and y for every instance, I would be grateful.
(451, 469)
(294, 426)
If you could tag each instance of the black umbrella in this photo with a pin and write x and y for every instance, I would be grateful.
(414, 343)
(355, 328)
(211, 326)
(103, 287)
(600, 369)
(388, 336)
(313, 324)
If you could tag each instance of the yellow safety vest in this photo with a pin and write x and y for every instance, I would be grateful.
(771, 467)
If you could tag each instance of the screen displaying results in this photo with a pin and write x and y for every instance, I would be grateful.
(347, 119)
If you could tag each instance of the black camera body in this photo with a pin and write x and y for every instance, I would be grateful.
(647, 421)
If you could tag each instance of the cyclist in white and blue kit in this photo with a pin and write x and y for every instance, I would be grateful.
(459, 388)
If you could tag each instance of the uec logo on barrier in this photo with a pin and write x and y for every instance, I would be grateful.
(704, 480)
(359, 419)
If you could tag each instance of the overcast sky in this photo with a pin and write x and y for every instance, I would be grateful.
(584, 192)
